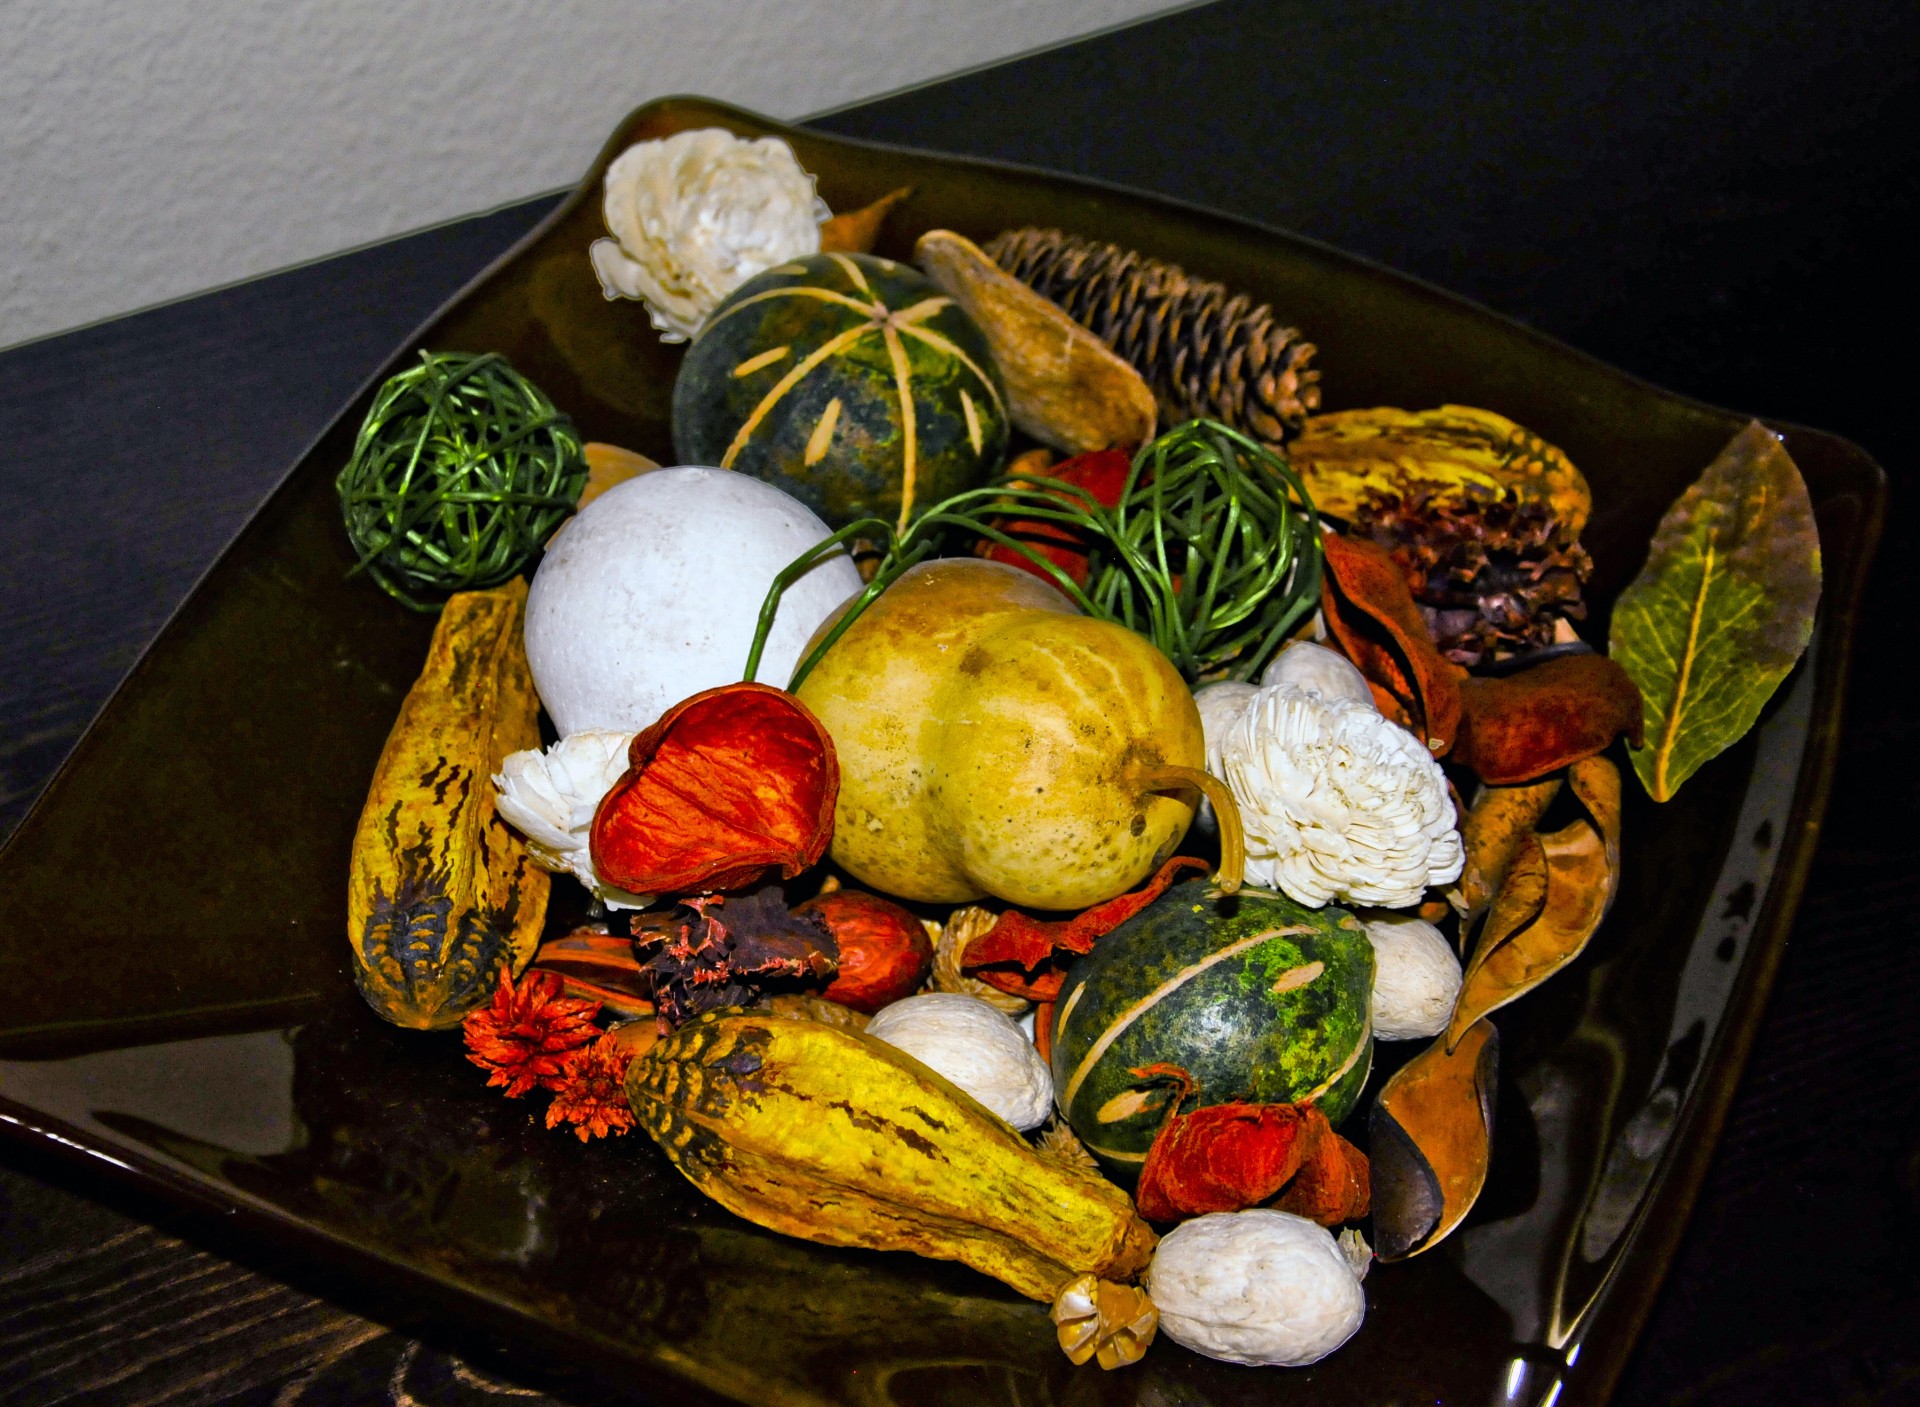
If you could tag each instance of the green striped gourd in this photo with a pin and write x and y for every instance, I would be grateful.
(848, 381)
(1258, 998)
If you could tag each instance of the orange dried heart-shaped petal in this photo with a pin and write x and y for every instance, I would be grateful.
(727, 785)
(1372, 617)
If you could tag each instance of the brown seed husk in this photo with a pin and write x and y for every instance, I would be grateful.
(1555, 896)
(857, 231)
(1064, 387)
(1431, 1134)
(1500, 819)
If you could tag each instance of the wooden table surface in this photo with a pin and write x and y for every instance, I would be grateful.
(1720, 197)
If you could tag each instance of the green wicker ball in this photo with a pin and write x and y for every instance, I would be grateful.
(461, 473)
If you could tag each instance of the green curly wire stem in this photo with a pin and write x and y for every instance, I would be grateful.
(1212, 552)
(461, 472)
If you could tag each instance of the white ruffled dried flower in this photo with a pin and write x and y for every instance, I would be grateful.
(696, 215)
(1415, 977)
(550, 798)
(1338, 802)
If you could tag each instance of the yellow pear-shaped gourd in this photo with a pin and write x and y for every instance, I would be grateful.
(993, 741)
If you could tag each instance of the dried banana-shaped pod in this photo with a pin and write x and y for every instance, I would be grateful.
(442, 892)
(1454, 454)
(1431, 1136)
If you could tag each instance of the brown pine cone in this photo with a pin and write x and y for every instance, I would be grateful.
(1204, 350)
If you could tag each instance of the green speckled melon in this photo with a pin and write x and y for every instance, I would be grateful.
(848, 381)
(1257, 997)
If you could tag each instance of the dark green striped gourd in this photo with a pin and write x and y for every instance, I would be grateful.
(1258, 998)
(848, 381)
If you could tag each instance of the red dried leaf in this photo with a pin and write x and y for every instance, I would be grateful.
(591, 1094)
(1528, 724)
(1016, 955)
(728, 785)
(1102, 473)
(1334, 1183)
(525, 1035)
(1221, 1157)
(1373, 618)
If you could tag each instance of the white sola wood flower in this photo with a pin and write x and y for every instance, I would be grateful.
(697, 214)
(550, 798)
(1338, 802)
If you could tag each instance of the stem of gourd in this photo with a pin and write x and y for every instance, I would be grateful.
(1233, 839)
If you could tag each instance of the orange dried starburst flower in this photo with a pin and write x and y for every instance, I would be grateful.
(524, 1036)
(592, 1095)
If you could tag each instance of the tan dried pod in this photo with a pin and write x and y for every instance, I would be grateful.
(1105, 1321)
(804, 1006)
(1430, 1137)
(950, 942)
(857, 231)
(1497, 824)
(1064, 387)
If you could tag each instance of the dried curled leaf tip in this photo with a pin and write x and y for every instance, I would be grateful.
(1108, 1322)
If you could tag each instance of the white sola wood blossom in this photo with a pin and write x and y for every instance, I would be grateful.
(550, 798)
(1338, 802)
(697, 214)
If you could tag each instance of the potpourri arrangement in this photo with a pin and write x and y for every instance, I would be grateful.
(1027, 852)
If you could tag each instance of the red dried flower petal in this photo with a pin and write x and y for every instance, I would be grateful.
(725, 786)
(1016, 955)
(524, 1036)
(592, 1096)
(1102, 473)
(1334, 1183)
(1222, 1157)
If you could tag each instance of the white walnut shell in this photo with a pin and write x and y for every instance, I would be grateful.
(1416, 976)
(1260, 1287)
(1325, 672)
(977, 1048)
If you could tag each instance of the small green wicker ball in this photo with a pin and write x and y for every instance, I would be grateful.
(461, 473)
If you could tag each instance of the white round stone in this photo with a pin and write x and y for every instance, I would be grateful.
(1416, 976)
(652, 592)
(1258, 1287)
(975, 1047)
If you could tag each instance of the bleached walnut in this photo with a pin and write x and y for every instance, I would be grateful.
(1259, 1287)
(1338, 802)
(975, 1047)
(550, 798)
(696, 215)
(1325, 672)
(1415, 977)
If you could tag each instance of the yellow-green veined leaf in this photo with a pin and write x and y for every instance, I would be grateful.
(1722, 609)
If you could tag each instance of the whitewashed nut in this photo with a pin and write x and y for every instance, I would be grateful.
(1415, 977)
(1327, 673)
(1260, 1287)
(653, 591)
(975, 1047)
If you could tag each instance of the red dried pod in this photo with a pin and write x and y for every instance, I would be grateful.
(1333, 1184)
(1525, 725)
(726, 786)
(885, 953)
(1221, 1157)
(1372, 617)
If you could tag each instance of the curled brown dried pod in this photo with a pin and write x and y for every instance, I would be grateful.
(1497, 823)
(1431, 1136)
(857, 231)
(1557, 891)
(1063, 386)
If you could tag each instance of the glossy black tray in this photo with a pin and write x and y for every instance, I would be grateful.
(172, 911)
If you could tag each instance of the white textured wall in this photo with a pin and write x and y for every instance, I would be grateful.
(151, 148)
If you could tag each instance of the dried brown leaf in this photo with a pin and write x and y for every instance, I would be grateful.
(1431, 1134)
(1064, 387)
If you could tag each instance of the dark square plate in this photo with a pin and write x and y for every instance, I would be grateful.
(175, 906)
